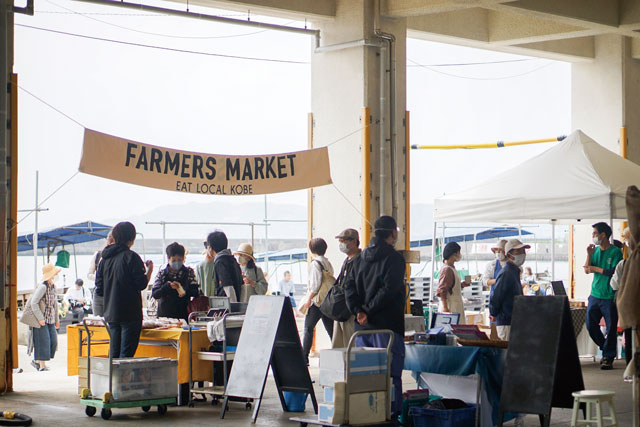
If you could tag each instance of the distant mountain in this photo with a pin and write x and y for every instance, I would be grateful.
(221, 212)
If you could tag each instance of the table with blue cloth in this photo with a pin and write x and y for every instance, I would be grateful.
(486, 362)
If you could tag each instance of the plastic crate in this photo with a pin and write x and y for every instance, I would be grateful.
(465, 417)
(404, 417)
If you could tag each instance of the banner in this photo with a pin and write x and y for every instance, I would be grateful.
(122, 160)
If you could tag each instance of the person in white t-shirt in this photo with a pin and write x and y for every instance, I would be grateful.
(79, 301)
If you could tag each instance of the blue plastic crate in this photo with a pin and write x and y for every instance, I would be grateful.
(465, 417)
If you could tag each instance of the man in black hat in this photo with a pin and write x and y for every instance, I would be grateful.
(375, 294)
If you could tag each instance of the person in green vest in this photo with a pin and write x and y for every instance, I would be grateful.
(602, 259)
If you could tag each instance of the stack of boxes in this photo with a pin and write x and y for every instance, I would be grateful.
(367, 378)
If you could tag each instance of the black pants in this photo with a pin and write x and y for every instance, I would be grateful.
(313, 316)
(628, 345)
(125, 337)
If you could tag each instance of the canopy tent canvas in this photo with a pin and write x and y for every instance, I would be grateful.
(74, 234)
(576, 180)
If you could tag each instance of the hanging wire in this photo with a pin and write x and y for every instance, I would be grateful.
(430, 68)
(170, 49)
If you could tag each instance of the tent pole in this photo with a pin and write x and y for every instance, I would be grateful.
(433, 270)
(35, 240)
(466, 254)
(535, 238)
(611, 216)
(75, 261)
(553, 249)
(475, 240)
(164, 242)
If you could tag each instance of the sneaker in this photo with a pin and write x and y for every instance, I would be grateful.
(35, 365)
(44, 368)
(606, 364)
(628, 379)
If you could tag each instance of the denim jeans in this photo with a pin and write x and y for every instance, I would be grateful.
(313, 316)
(397, 363)
(596, 310)
(45, 342)
(125, 337)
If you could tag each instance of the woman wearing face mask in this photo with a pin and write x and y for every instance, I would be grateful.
(175, 285)
(495, 266)
(44, 304)
(449, 285)
(254, 282)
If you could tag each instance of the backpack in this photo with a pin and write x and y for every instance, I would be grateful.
(327, 282)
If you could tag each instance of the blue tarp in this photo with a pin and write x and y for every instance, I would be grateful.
(67, 235)
(469, 236)
(286, 255)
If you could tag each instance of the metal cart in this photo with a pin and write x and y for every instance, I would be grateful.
(231, 325)
(106, 402)
(361, 383)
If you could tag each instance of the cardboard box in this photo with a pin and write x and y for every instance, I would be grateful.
(364, 408)
(364, 361)
(330, 393)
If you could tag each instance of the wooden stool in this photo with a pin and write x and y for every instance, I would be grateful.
(589, 398)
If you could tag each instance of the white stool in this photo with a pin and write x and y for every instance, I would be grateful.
(594, 397)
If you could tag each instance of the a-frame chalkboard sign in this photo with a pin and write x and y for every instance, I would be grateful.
(269, 337)
(542, 367)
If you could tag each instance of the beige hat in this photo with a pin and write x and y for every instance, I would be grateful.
(245, 249)
(49, 271)
(514, 244)
(349, 234)
(500, 245)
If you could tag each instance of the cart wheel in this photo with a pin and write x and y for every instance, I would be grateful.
(90, 411)
(146, 408)
(248, 405)
(214, 401)
(162, 409)
(105, 413)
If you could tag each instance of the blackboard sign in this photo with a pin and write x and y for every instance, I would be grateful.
(269, 337)
(542, 367)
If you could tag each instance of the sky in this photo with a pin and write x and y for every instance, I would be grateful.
(201, 102)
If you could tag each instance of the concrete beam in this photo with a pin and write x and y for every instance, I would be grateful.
(577, 12)
(408, 8)
(296, 9)
(579, 49)
(629, 14)
(513, 28)
(635, 48)
(461, 26)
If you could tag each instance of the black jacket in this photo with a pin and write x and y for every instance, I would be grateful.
(169, 303)
(120, 278)
(228, 273)
(377, 287)
(507, 287)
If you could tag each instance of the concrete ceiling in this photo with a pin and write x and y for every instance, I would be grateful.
(556, 29)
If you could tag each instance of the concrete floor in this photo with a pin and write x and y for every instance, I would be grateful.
(50, 399)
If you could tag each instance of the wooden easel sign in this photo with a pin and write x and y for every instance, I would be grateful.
(269, 337)
(542, 367)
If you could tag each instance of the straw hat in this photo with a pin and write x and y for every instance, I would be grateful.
(49, 271)
(245, 249)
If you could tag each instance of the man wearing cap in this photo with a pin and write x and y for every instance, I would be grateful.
(375, 294)
(493, 268)
(507, 287)
(349, 241)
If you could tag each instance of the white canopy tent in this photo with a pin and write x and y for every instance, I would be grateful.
(576, 180)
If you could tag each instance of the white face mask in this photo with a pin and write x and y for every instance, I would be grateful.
(519, 259)
(500, 256)
(597, 241)
(343, 247)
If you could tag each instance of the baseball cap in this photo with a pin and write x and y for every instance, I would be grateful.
(385, 223)
(514, 244)
(349, 234)
(500, 244)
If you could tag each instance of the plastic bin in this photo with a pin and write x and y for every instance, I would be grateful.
(404, 417)
(135, 379)
(465, 417)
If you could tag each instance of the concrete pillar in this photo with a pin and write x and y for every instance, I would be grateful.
(343, 82)
(605, 99)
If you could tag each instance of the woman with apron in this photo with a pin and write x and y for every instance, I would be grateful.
(449, 285)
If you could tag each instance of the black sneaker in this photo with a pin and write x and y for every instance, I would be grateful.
(35, 365)
(606, 364)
